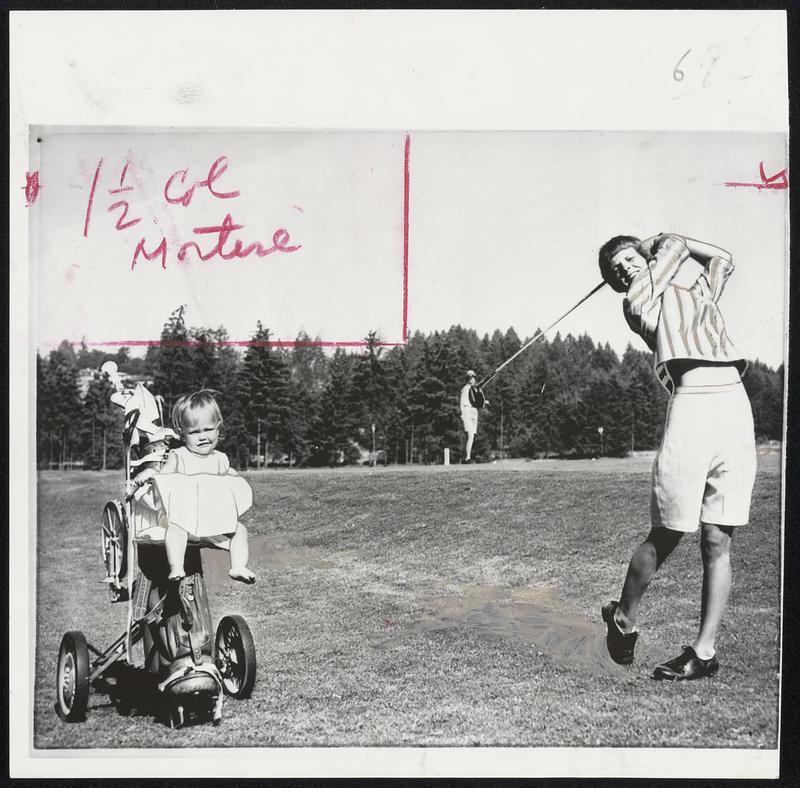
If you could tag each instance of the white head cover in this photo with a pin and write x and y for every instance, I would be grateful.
(142, 400)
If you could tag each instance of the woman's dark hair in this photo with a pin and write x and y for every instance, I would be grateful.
(606, 255)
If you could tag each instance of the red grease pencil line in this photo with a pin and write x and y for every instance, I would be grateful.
(406, 190)
(227, 343)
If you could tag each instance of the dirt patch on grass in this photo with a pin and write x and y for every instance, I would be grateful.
(533, 617)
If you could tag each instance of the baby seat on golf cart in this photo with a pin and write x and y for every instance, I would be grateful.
(192, 666)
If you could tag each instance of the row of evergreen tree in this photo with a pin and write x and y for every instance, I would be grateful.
(301, 406)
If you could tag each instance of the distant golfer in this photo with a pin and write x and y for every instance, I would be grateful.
(469, 414)
(704, 471)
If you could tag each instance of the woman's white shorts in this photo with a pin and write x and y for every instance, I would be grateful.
(469, 418)
(706, 466)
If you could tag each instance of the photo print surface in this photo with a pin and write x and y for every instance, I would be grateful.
(371, 433)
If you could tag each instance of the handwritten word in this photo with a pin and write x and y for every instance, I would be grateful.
(215, 172)
(280, 243)
(777, 181)
(121, 224)
(31, 188)
(176, 192)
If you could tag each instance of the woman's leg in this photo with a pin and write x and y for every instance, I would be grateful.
(468, 449)
(649, 556)
(715, 546)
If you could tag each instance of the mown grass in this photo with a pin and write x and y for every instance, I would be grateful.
(439, 606)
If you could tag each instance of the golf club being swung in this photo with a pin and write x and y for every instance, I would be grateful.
(483, 381)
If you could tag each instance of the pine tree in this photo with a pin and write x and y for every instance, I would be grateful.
(467, 348)
(775, 424)
(174, 369)
(309, 364)
(59, 406)
(646, 400)
(333, 431)
(309, 375)
(764, 388)
(102, 424)
(263, 390)
(499, 419)
(396, 370)
(370, 400)
(44, 415)
(433, 406)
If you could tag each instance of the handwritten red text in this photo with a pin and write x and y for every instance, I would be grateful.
(179, 190)
(215, 172)
(280, 243)
(123, 223)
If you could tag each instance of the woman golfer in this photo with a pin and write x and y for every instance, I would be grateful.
(704, 471)
(469, 415)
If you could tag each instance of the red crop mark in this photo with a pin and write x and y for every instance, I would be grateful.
(406, 192)
(228, 342)
(31, 188)
(777, 181)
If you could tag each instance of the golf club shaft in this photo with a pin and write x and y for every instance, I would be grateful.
(538, 335)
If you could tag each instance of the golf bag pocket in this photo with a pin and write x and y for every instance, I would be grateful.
(186, 622)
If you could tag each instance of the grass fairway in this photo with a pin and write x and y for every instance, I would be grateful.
(439, 606)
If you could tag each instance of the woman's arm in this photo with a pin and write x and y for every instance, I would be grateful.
(669, 252)
(703, 252)
(647, 247)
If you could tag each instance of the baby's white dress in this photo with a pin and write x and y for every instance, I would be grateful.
(204, 497)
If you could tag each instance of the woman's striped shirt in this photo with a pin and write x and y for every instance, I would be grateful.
(672, 305)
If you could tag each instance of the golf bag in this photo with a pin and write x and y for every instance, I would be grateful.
(179, 644)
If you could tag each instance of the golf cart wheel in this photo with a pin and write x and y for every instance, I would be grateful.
(236, 656)
(72, 678)
(114, 540)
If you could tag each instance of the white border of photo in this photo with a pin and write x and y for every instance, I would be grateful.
(428, 70)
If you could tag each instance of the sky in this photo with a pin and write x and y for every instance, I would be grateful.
(503, 230)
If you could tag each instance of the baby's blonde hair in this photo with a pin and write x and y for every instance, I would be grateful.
(188, 403)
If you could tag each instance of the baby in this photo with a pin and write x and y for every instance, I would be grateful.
(200, 494)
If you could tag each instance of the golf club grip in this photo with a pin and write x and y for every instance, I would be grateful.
(483, 381)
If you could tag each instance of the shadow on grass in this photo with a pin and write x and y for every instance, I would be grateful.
(133, 692)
